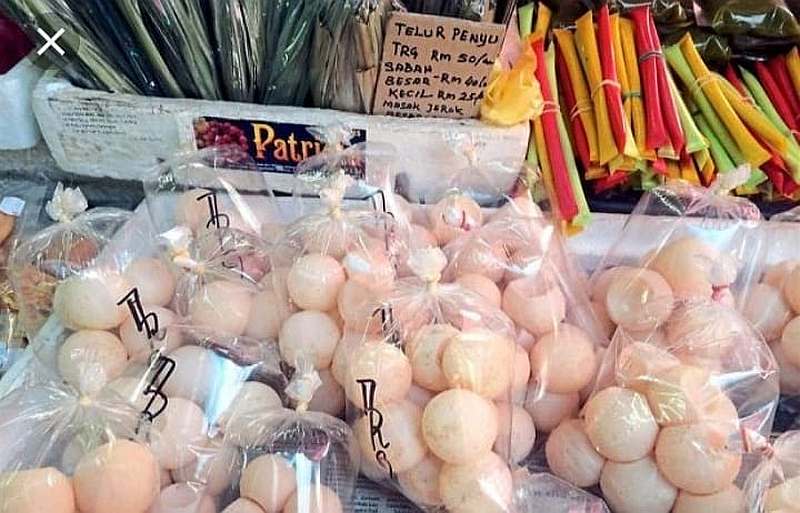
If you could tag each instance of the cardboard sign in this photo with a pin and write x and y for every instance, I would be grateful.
(434, 66)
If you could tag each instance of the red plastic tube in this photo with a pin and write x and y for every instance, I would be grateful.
(780, 71)
(648, 69)
(776, 95)
(611, 88)
(611, 181)
(558, 164)
(578, 132)
(733, 78)
(668, 107)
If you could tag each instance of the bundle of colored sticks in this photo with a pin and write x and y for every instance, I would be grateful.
(620, 111)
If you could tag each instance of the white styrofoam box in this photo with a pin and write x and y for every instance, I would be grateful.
(121, 136)
(18, 129)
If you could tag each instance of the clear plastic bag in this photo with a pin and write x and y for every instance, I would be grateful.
(295, 460)
(771, 19)
(685, 375)
(774, 485)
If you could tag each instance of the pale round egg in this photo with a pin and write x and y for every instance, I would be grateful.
(215, 468)
(620, 425)
(315, 498)
(310, 336)
(687, 265)
(702, 334)
(783, 496)
(790, 341)
(454, 216)
(481, 285)
(479, 360)
(518, 207)
(243, 506)
(314, 282)
(639, 363)
(521, 374)
(118, 477)
(192, 209)
(268, 311)
(639, 300)
(420, 483)
(776, 275)
(401, 435)
(384, 365)
(222, 306)
(571, 456)
(459, 426)
(89, 360)
(194, 374)
(694, 457)
(528, 261)
(152, 279)
(548, 410)
(564, 361)
(636, 487)
(341, 356)
(89, 301)
(357, 306)
(329, 397)
(419, 396)
(36, 491)
(139, 347)
(478, 256)
(480, 486)
(678, 395)
(369, 268)
(536, 309)
(729, 500)
(791, 289)
(269, 481)
(602, 281)
(240, 419)
(516, 433)
(178, 433)
(181, 498)
(767, 311)
(421, 237)
(789, 375)
(425, 350)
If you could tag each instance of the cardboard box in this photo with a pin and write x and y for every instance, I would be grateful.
(435, 66)
(123, 136)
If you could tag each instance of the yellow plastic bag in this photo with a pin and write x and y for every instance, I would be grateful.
(513, 95)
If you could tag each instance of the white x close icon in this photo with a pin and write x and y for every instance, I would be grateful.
(50, 41)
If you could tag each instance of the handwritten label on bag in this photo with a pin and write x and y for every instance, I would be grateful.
(145, 322)
(216, 218)
(435, 67)
(158, 402)
(375, 419)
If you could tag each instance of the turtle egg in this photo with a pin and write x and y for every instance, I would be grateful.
(481, 486)
(480, 361)
(223, 307)
(533, 306)
(454, 216)
(564, 361)
(571, 456)
(369, 268)
(341, 356)
(139, 347)
(215, 467)
(790, 341)
(243, 506)
(269, 481)
(181, 497)
(678, 394)
(548, 410)
(425, 350)
(314, 282)
(620, 424)
(239, 420)
(516, 433)
(767, 311)
(729, 500)
(639, 362)
(791, 289)
(687, 266)
(118, 477)
(194, 375)
(269, 310)
(192, 210)
(482, 286)
(520, 206)
(89, 301)
(315, 498)
(357, 306)
(153, 279)
(419, 396)
(639, 299)
(636, 487)
(383, 364)
(401, 433)
(603, 280)
(36, 491)
(420, 483)
(459, 426)
(477, 256)
(311, 336)
(520, 376)
(329, 397)
(89, 360)
(776, 275)
(694, 457)
(526, 262)
(177, 433)
(785, 496)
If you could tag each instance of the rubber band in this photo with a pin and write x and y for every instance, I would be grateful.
(603, 83)
(658, 54)
(579, 108)
(700, 82)
(631, 94)
(551, 107)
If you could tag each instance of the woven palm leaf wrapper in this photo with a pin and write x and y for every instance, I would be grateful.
(239, 28)
(346, 52)
(84, 62)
